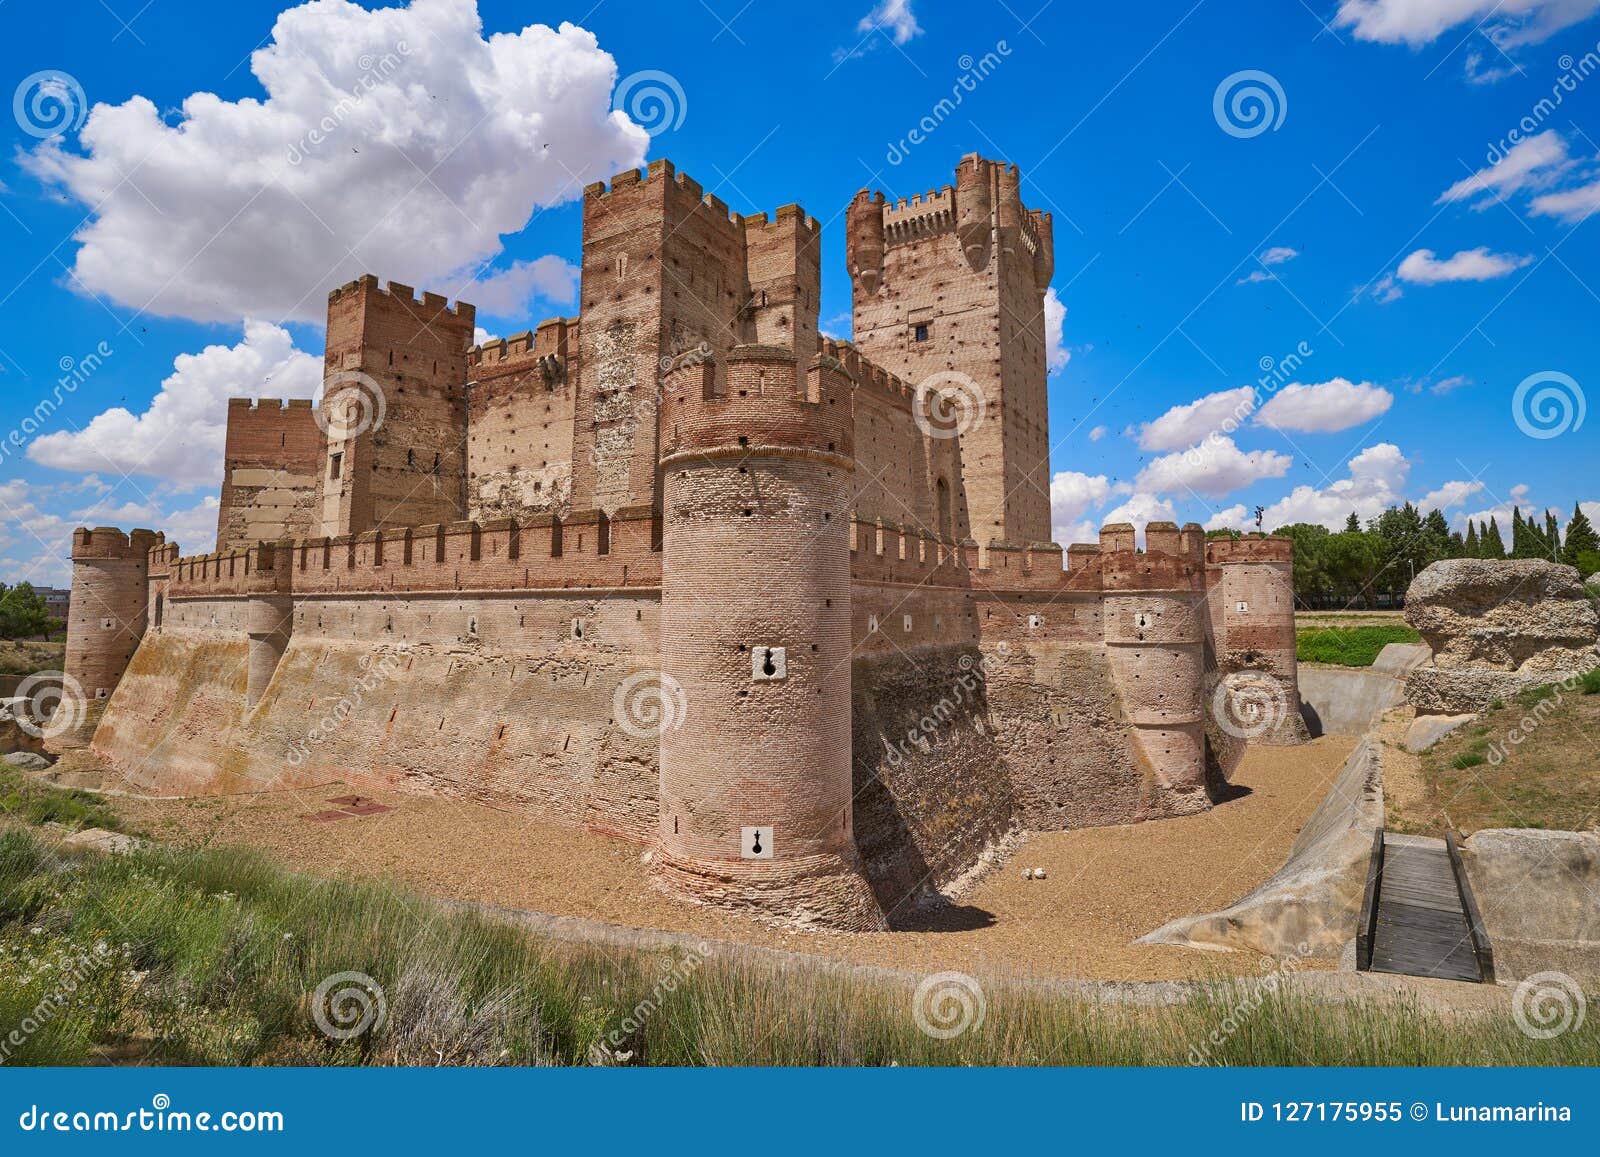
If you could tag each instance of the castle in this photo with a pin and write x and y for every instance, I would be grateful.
(783, 609)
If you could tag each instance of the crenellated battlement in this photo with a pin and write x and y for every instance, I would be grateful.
(109, 542)
(757, 404)
(268, 404)
(586, 551)
(431, 304)
(1223, 551)
(868, 375)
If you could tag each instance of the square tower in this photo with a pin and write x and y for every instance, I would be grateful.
(949, 294)
(394, 409)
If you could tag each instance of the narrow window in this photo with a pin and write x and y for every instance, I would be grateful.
(921, 333)
(336, 467)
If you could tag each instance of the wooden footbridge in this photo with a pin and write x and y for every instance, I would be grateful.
(1418, 916)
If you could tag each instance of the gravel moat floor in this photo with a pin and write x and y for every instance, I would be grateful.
(1104, 887)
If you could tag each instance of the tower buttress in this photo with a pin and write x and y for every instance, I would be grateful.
(755, 641)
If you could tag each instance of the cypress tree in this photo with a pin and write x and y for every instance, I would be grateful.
(1472, 547)
(1352, 525)
(1493, 545)
(1581, 538)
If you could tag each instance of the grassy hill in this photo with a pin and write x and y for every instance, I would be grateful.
(1530, 762)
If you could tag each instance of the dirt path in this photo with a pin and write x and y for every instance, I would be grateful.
(1104, 886)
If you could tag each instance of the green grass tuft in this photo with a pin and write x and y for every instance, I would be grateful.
(22, 798)
(210, 958)
(1349, 646)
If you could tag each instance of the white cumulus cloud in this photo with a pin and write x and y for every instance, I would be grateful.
(1424, 267)
(894, 17)
(1417, 22)
(399, 141)
(1449, 496)
(1530, 164)
(1377, 478)
(180, 436)
(1072, 496)
(1214, 468)
(1186, 425)
(1057, 355)
(1324, 408)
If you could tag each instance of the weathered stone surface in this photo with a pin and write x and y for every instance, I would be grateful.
(1497, 627)
(1426, 730)
(1311, 906)
(27, 761)
(1539, 892)
(1346, 700)
(1459, 691)
(101, 840)
(1517, 615)
(1399, 658)
(13, 736)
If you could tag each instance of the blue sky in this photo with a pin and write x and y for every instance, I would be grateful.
(1394, 209)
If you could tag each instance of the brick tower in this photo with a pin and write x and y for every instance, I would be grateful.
(950, 287)
(394, 408)
(1250, 585)
(1154, 620)
(755, 638)
(105, 622)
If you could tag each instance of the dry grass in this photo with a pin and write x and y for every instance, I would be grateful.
(1530, 763)
(19, 657)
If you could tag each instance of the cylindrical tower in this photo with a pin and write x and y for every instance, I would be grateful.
(864, 241)
(755, 642)
(105, 621)
(1154, 618)
(269, 617)
(1250, 583)
(975, 209)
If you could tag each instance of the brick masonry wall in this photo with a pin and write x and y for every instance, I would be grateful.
(272, 466)
(521, 393)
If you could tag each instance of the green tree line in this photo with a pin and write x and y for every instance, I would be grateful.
(1371, 565)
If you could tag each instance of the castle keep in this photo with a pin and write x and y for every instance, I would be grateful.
(680, 570)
